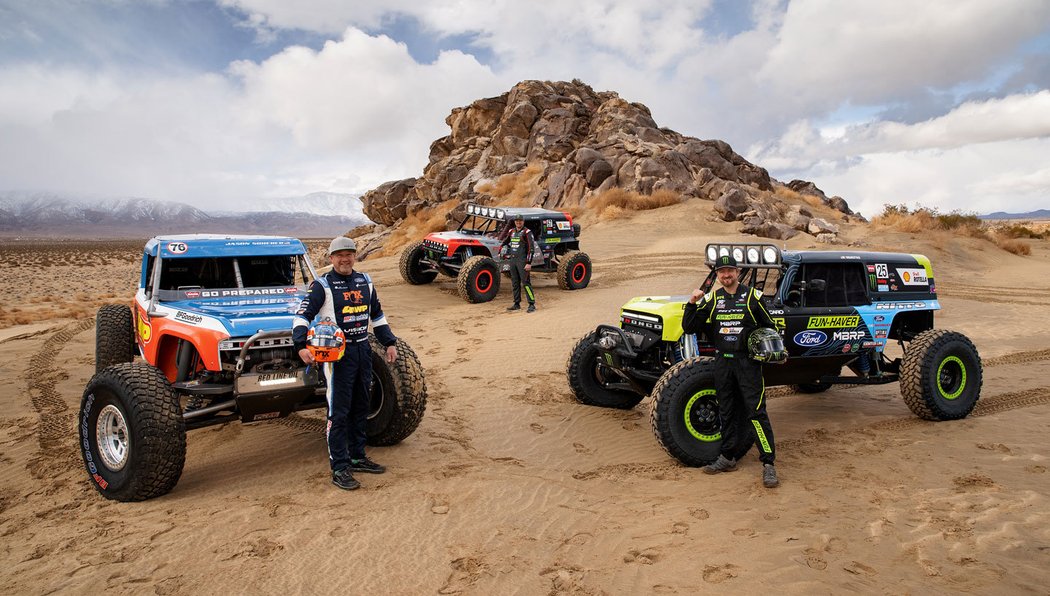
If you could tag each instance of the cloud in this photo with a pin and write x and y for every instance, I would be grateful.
(1008, 176)
(1014, 117)
(346, 118)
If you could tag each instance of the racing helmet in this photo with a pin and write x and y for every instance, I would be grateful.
(765, 345)
(326, 341)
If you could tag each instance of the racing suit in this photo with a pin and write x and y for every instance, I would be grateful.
(727, 320)
(350, 301)
(520, 245)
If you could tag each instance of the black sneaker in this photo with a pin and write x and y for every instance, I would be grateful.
(769, 476)
(722, 464)
(345, 480)
(367, 466)
(515, 306)
(532, 308)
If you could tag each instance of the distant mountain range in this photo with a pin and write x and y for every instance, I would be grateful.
(316, 215)
(1040, 214)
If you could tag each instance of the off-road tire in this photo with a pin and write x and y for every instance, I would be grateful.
(941, 375)
(399, 394)
(814, 387)
(409, 265)
(574, 270)
(478, 280)
(695, 440)
(583, 370)
(137, 398)
(114, 336)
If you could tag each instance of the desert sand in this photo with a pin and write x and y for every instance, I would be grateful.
(511, 487)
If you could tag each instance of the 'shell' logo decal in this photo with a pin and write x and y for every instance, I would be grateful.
(145, 330)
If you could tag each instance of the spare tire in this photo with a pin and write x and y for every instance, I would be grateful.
(399, 394)
(941, 375)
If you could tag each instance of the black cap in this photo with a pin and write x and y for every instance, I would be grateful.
(518, 216)
(725, 261)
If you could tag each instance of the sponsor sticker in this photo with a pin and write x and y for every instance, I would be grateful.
(879, 318)
(838, 321)
(871, 268)
(564, 225)
(884, 288)
(810, 337)
(145, 330)
(848, 335)
(899, 305)
(349, 310)
(846, 349)
(186, 317)
(193, 294)
(913, 277)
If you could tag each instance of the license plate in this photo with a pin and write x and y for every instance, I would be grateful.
(277, 378)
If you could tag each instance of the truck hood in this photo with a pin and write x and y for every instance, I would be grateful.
(446, 237)
(240, 316)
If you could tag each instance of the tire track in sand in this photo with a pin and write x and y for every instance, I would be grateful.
(56, 422)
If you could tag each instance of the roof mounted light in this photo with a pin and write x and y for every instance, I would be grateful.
(501, 213)
(712, 253)
(723, 251)
(752, 255)
(470, 209)
(769, 255)
(738, 254)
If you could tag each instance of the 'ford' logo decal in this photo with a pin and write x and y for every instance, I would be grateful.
(810, 337)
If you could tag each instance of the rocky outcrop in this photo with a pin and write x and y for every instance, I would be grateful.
(582, 142)
(804, 187)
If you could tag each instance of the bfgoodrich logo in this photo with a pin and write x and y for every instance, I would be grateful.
(810, 337)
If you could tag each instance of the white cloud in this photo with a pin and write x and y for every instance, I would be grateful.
(1008, 176)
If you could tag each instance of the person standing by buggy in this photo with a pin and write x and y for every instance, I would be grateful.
(519, 246)
(349, 298)
(728, 316)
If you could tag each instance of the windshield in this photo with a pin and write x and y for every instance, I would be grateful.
(215, 277)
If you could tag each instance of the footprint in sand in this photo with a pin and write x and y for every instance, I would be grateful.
(581, 448)
(646, 556)
(699, 513)
(466, 571)
(717, 574)
(538, 428)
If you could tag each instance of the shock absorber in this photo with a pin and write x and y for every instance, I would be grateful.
(686, 347)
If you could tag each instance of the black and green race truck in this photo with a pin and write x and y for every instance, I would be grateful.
(837, 312)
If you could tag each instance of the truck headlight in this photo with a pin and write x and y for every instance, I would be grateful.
(606, 342)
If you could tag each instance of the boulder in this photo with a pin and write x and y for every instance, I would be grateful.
(731, 205)
(820, 226)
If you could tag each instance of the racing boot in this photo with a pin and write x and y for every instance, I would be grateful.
(366, 465)
(722, 464)
(769, 476)
(514, 306)
(532, 308)
(344, 479)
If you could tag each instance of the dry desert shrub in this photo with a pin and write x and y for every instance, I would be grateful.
(1014, 245)
(417, 225)
(925, 220)
(617, 202)
(1019, 230)
(517, 189)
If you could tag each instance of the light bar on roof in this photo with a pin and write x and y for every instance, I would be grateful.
(747, 254)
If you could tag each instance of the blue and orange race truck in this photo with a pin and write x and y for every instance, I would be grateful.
(208, 340)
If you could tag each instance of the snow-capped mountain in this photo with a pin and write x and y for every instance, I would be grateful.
(39, 213)
(316, 203)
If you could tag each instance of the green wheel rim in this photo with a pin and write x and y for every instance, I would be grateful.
(951, 377)
(700, 414)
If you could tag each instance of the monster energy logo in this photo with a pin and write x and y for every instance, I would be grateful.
(841, 321)
(873, 280)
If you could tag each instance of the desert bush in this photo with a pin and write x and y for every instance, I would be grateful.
(517, 189)
(1014, 245)
(617, 202)
(417, 225)
(1019, 230)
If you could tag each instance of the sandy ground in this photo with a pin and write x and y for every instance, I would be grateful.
(511, 487)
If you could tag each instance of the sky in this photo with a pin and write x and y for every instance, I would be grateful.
(216, 103)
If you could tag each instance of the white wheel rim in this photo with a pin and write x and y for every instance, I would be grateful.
(112, 435)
